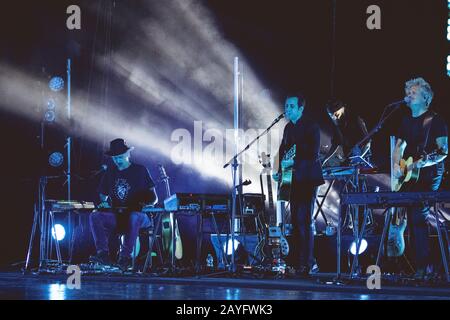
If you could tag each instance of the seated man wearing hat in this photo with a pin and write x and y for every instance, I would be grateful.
(124, 189)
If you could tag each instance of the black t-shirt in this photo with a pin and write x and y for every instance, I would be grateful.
(127, 188)
(305, 134)
(349, 132)
(412, 131)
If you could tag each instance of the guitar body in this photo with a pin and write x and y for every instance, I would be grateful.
(166, 233)
(287, 174)
(396, 240)
(410, 173)
(166, 230)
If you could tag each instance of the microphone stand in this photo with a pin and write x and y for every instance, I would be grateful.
(380, 123)
(234, 158)
(234, 165)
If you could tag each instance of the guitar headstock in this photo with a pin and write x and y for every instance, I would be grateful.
(432, 156)
(264, 159)
(162, 172)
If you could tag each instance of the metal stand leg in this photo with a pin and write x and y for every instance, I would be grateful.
(219, 239)
(387, 222)
(172, 240)
(148, 261)
(358, 240)
(320, 204)
(58, 251)
(199, 242)
(338, 244)
(441, 243)
(33, 232)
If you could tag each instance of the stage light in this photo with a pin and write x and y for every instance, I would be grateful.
(448, 65)
(362, 247)
(51, 104)
(58, 232)
(56, 159)
(56, 84)
(49, 116)
(228, 248)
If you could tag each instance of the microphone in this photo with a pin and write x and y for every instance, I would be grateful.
(397, 103)
(245, 183)
(281, 116)
(103, 168)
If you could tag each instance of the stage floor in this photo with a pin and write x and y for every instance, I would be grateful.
(17, 286)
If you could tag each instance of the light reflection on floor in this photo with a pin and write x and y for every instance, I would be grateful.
(44, 289)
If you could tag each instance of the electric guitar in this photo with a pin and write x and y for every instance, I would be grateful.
(410, 172)
(282, 243)
(396, 241)
(285, 180)
(336, 159)
(265, 162)
(167, 223)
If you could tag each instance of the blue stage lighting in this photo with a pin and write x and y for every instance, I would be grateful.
(227, 246)
(51, 104)
(448, 65)
(56, 84)
(56, 159)
(58, 232)
(362, 247)
(49, 116)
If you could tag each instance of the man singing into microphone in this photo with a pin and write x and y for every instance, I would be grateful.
(419, 134)
(303, 132)
(123, 190)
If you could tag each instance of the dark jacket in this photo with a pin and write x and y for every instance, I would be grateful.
(305, 134)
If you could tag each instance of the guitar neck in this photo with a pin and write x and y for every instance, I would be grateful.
(269, 187)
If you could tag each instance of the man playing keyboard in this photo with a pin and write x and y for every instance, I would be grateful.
(123, 190)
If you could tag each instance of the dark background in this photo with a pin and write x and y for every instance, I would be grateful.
(288, 44)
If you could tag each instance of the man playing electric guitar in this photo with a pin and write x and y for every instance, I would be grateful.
(126, 185)
(420, 133)
(304, 133)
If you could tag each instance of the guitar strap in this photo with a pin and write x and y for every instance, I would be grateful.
(426, 126)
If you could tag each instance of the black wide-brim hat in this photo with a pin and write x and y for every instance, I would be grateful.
(117, 147)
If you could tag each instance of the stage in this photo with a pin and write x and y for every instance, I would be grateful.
(14, 286)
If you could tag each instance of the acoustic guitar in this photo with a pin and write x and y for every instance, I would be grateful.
(410, 171)
(167, 223)
(285, 179)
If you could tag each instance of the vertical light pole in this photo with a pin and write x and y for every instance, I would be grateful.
(69, 146)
